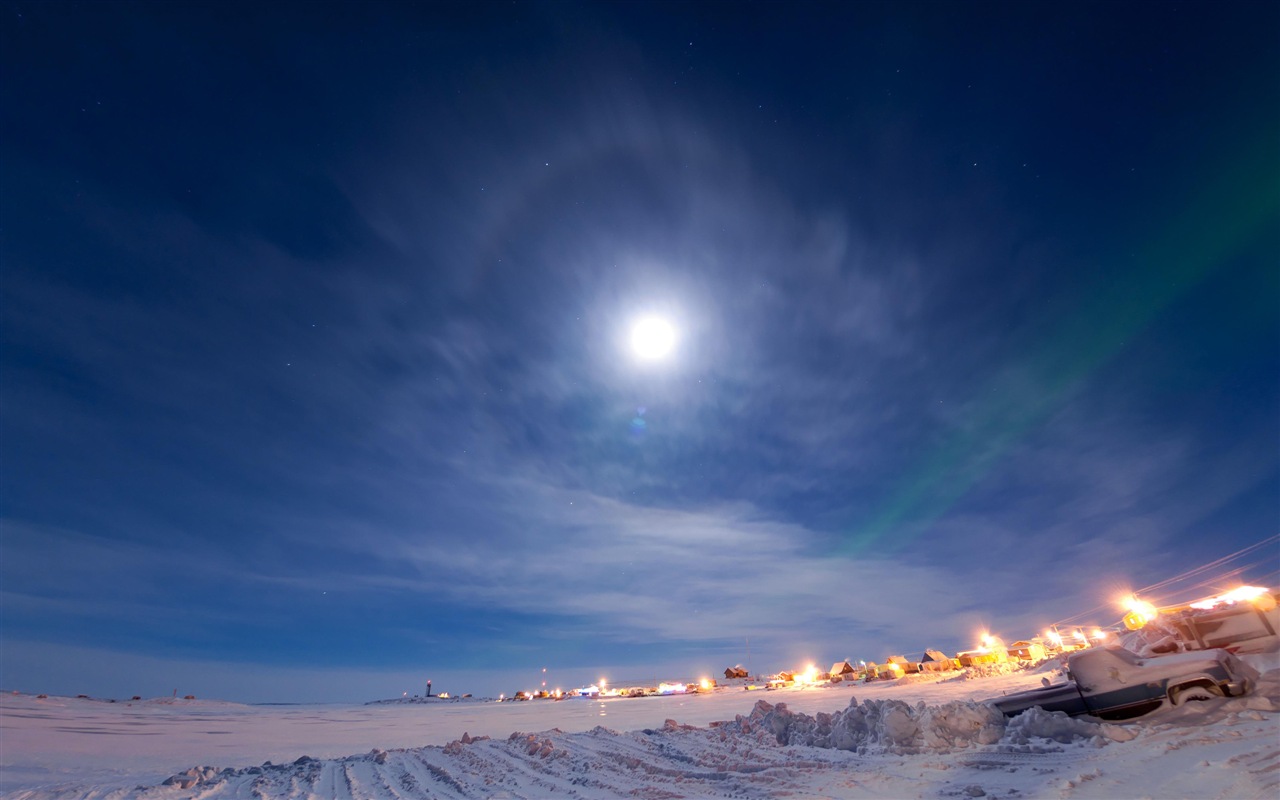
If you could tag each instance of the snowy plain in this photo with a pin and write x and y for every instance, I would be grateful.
(915, 737)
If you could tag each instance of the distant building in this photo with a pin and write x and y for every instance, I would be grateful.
(982, 656)
(936, 661)
(900, 663)
(1027, 651)
(736, 672)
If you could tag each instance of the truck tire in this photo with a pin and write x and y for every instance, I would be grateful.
(1196, 692)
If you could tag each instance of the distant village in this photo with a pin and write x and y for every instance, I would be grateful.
(991, 650)
(1243, 617)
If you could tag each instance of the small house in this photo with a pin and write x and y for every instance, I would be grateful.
(900, 663)
(1027, 651)
(936, 661)
(735, 672)
(983, 655)
(843, 671)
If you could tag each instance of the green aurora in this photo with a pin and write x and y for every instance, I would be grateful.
(1200, 239)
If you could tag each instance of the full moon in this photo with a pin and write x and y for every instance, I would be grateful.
(652, 338)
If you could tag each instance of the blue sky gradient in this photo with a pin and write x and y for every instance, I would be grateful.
(314, 373)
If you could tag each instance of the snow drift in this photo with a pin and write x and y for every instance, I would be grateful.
(893, 726)
(953, 746)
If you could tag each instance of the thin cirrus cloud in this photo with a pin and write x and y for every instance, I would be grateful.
(373, 400)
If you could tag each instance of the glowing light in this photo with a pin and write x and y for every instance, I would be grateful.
(1132, 603)
(1054, 637)
(1079, 634)
(672, 688)
(652, 338)
(1234, 596)
(1140, 612)
(704, 683)
(1099, 635)
(987, 642)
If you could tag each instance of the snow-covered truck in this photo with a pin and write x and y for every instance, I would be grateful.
(1113, 683)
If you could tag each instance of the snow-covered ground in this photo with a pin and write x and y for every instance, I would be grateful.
(911, 738)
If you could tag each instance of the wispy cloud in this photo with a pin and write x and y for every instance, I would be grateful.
(381, 392)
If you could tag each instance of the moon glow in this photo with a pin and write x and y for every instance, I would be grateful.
(652, 338)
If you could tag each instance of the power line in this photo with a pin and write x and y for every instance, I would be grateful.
(1198, 571)
(1212, 564)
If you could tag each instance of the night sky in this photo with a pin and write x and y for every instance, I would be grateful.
(316, 377)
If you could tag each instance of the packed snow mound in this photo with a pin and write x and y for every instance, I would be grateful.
(920, 677)
(1036, 723)
(1266, 693)
(1268, 684)
(988, 671)
(674, 761)
(1048, 664)
(892, 726)
(747, 756)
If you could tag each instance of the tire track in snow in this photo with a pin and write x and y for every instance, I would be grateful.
(369, 781)
(436, 780)
(743, 759)
(1265, 771)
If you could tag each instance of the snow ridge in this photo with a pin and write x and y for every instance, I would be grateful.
(893, 726)
(877, 748)
(753, 756)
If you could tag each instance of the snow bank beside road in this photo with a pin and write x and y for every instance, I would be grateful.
(882, 725)
(950, 746)
(874, 748)
(893, 726)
